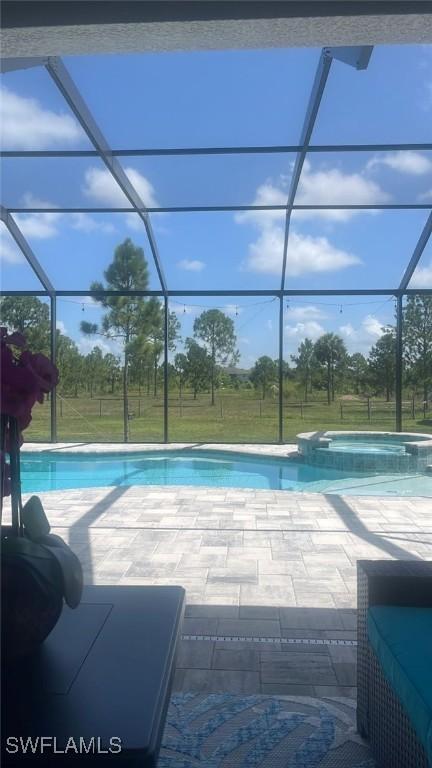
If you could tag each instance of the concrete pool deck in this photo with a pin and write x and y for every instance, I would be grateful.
(270, 576)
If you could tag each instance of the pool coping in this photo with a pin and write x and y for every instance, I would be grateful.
(258, 449)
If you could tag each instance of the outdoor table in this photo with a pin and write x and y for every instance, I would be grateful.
(104, 672)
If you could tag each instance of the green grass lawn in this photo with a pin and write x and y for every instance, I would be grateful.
(236, 417)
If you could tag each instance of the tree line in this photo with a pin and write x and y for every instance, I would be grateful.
(137, 324)
(326, 364)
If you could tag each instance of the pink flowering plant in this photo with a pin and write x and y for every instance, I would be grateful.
(25, 378)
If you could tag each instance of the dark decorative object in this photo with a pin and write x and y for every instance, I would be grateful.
(38, 569)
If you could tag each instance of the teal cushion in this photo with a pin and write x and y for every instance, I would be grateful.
(402, 641)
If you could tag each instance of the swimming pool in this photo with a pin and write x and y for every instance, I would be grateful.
(46, 471)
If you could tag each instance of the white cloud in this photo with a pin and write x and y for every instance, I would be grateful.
(86, 223)
(25, 124)
(38, 225)
(85, 345)
(330, 186)
(10, 253)
(422, 277)
(100, 186)
(370, 326)
(310, 329)
(308, 312)
(348, 331)
(404, 161)
(373, 326)
(61, 327)
(266, 194)
(306, 254)
(45, 225)
(265, 254)
(244, 340)
(191, 265)
(363, 336)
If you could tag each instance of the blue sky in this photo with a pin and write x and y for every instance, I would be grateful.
(233, 98)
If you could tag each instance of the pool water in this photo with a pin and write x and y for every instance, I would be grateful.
(359, 446)
(54, 471)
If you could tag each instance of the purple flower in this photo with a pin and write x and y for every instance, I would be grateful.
(45, 373)
(19, 389)
(16, 339)
(24, 378)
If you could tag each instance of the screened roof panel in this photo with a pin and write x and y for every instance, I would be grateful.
(366, 178)
(16, 273)
(350, 249)
(198, 99)
(390, 101)
(211, 251)
(35, 115)
(422, 277)
(229, 98)
(58, 182)
(77, 248)
(211, 180)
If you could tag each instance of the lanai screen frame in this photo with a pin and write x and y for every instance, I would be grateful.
(357, 57)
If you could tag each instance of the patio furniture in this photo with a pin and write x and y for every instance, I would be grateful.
(105, 671)
(394, 705)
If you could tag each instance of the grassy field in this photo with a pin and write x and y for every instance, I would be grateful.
(236, 417)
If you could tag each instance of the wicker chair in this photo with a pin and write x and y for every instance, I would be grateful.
(380, 716)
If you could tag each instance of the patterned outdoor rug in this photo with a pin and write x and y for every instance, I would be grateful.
(228, 731)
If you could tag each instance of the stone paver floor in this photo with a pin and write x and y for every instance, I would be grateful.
(270, 576)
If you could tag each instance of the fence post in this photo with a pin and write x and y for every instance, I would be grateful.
(413, 408)
(301, 409)
(61, 406)
(399, 361)
(139, 407)
(341, 411)
(53, 357)
(260, 405)
(369, 408)
(424, 408)
(221, 409)
(100, 406)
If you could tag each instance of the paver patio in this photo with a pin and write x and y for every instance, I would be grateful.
(270, 576)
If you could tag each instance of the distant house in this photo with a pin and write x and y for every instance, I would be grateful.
(237, 374)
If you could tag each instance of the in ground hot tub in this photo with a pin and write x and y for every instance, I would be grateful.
(367, 451)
